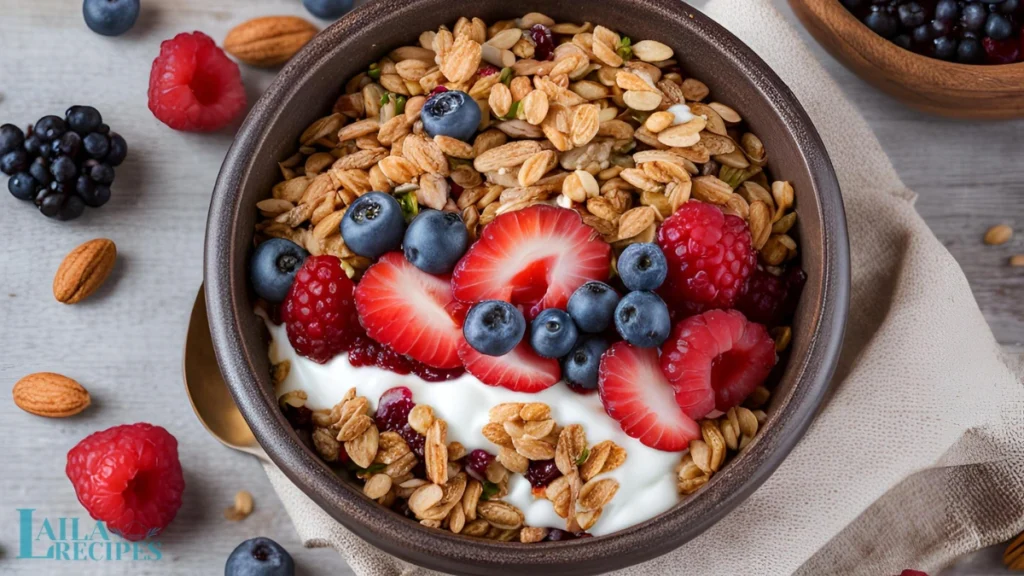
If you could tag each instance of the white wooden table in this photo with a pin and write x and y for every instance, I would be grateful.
(125, 343)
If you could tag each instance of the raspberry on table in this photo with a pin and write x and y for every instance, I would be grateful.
(709, 256)
(319, 312)
(129, 477)
(194, 86)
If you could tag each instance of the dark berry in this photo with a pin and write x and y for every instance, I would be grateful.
(373, 225)
(118, 150)
(100, 195)
(73, 207)
(64, 169)
(50, 128)
(947, 11)
(970, 51)
(945, 47)
(494, 327)
(97, 145)
(40, 170)
(85, 187)
(110, 17)
(882, 23)
(592, 306)
(581, 365)
(476, 463)
(558, 535)
(83, 119)
(543, 41)
(922, 34)
(903, 41)
(102, 174)
(435, 241)
(14, 162)
(1001, 51)
(642, 319)
(51, 203)
(553, 333)
(68, 144)
(393, 409)
(11, 138)
(259, 557)
(912, 14)
(273, 267)
(451, 113)
(542, 472)
(22, 186)
(998, 27)
(328, 9)
(34, 145)
(974, 16)
(642, 266)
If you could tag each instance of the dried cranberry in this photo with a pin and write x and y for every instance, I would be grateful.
(456, 190)
(414, 439)
(299, 417)
(477, 462)
(393, 409)
(542, 472)
(545, 44)
(431, 374)
(556, 535)
(487, 70)
(438, 90)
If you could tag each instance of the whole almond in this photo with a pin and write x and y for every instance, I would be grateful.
(84, 270)
(50, 395)
(269, 41)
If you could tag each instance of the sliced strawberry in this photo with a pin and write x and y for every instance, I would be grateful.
(715, 360)
(535, 257)
(406, 308)
(635, 392)
(521, 370)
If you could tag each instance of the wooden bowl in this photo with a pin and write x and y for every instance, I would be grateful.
(307, 87)
(927, 84)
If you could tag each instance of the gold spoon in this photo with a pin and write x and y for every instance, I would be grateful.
(207, 391)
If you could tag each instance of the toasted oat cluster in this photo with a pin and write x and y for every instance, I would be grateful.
(582, 122)
(572, 115)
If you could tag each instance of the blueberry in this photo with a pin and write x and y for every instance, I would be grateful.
(99, 197)
(903, 41)
(51, 203)
(73, 208)
(110, 17)
(435, 241)
(259, 557)
(922, 34)
(882, 23)
(273, 267)
(970, 51)
(68, 144)
(947, 10)
(642, 266)
(494, 327)
(642, 319)
(553, 333)
(11, 138)
(592, 306)
(83, 119)
(34, 144)
(581, 365)
(328, 9)
(1008, 6)
(945, 47)
(912, 14)
(998, 27)
(97, 145)
(22, 186)
(118, 150)
(14, 162)
(974, 16)
(102, 174)
(451, 113)
(64, 169)
(40, 170)
(373, 225)
(50, 128)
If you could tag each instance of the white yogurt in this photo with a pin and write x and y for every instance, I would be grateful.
(646, 480)
(682, 113)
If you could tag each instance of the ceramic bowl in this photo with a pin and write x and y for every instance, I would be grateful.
(306, 90)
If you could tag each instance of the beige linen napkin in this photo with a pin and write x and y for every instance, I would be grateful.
(918, 456)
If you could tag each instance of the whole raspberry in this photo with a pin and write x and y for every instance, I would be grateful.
(319, 312)
(194, 86)
(769, 299)
(709, 258)
(129, 477)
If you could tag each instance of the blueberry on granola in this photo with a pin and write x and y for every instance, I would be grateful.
(435, 241)
(273, 267)
(373, 225)
(451, 113)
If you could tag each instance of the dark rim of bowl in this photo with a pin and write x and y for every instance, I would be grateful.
(227, 299)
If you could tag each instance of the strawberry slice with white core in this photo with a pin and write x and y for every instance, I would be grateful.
(521, 370)
(715, 360)
(407, 309)
(535, 258)
(635, 392)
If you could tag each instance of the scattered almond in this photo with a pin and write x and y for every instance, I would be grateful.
(270, 40)
(50, 395)
(241, 508)
(84, 270)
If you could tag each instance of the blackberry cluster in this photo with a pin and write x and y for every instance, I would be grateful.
(969, 32)
(62, 165)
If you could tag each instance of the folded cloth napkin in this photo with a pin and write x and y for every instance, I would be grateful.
(918, 456)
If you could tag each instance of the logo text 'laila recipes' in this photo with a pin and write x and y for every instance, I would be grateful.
(77, 539)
